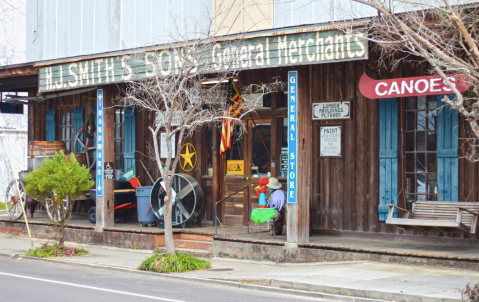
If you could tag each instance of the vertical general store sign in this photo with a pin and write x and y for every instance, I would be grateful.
(312, 46)
(292, 135)
(99, 143)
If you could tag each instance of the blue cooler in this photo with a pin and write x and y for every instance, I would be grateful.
(143, 201)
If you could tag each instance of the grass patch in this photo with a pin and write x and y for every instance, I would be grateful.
(48, 251)
(164, 263)
(2, 206)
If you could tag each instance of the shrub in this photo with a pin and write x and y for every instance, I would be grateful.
(57, 184)
(48, 251)
(180, 262)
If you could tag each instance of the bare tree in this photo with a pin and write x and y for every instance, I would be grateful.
(177, 89)
(436, 32)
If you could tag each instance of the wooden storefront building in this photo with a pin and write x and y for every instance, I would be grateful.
(391, 149)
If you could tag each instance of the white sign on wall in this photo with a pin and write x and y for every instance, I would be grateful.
(330, 144)
(332, 110)
(160, 118)
(164, 148)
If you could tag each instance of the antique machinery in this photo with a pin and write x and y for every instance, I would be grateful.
(187, 200)
(85, 141)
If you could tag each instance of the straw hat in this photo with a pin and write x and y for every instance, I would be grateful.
(274, 183)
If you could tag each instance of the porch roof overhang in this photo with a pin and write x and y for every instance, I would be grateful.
(40, 99)
(18, 77)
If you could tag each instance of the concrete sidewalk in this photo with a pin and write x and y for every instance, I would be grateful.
(353, 278)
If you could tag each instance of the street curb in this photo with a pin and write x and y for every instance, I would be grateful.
(273, 289)
(367, 294)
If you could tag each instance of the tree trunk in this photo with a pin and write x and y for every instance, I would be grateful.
(169, 242)
(61, 240)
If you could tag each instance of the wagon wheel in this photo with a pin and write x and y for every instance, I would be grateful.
(13, 197)
(53, 210)
(85, 141)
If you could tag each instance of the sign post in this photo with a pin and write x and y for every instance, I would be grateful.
(292, 136)
(99, 143)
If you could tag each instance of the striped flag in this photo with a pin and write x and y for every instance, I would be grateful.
(233, 109)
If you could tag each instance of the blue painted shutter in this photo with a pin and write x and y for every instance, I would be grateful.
(50, 125)
(77, 123)
(447, 152)
(388, 156)
(129, 139)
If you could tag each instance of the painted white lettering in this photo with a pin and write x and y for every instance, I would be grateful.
(259, 56)
(348, 46)
(292, 165)
(300, 49)
(267, 52)
(339, 41)
(84, 74)
(405, 86)
(377, 89)
(250, 50)
(283, 45)
(291, 184)
(48, 77)
(292, 48)
(292, 175)
(394, 88)
(292, 156)
(292, 128)
(72, 73)
(291, 194)
(165, 65)
(362, 50)
(98, 64)
(109, 71)
(59, 83)
(434, 84)
(319, 50)
(150, 66)
(127, 72)
(417, 86)
(451, 80)
(329, 51)
(244, 56)
(308, 55)
(217, 64)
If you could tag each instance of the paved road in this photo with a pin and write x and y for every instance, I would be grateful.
(27, 280)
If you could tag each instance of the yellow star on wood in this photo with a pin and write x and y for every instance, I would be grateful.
(187, 156)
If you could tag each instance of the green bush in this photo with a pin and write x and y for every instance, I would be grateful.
(48, 251)
(2, 206)
(56, 184)
(180, 262)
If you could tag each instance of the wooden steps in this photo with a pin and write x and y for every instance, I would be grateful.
(196, 245)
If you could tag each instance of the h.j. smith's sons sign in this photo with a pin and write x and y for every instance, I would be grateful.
(250, 53)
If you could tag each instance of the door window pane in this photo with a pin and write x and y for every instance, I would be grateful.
(261, 163)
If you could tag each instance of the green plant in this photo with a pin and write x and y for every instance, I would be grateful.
(350, 295)
(180, 262)
(48, 251)
(471, 292)
(57, 184)
(2, 206)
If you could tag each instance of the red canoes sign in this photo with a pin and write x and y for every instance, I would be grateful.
(403, 87)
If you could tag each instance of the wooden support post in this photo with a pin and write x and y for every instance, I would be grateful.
(105, 205)
(298, 214)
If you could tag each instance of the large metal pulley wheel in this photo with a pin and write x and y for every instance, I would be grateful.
(13, 197)
(85, 141)
(187, 200)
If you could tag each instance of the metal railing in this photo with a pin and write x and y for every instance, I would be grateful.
(223, 199)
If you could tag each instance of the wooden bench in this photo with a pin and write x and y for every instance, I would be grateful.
(442, 216)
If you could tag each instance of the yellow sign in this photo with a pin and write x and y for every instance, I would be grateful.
(188, 158)
(235, 167)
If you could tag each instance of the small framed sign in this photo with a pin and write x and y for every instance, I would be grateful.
(330, 141)
(109, 170)
(332, 110)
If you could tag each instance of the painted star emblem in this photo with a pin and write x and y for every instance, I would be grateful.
(187, 158)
